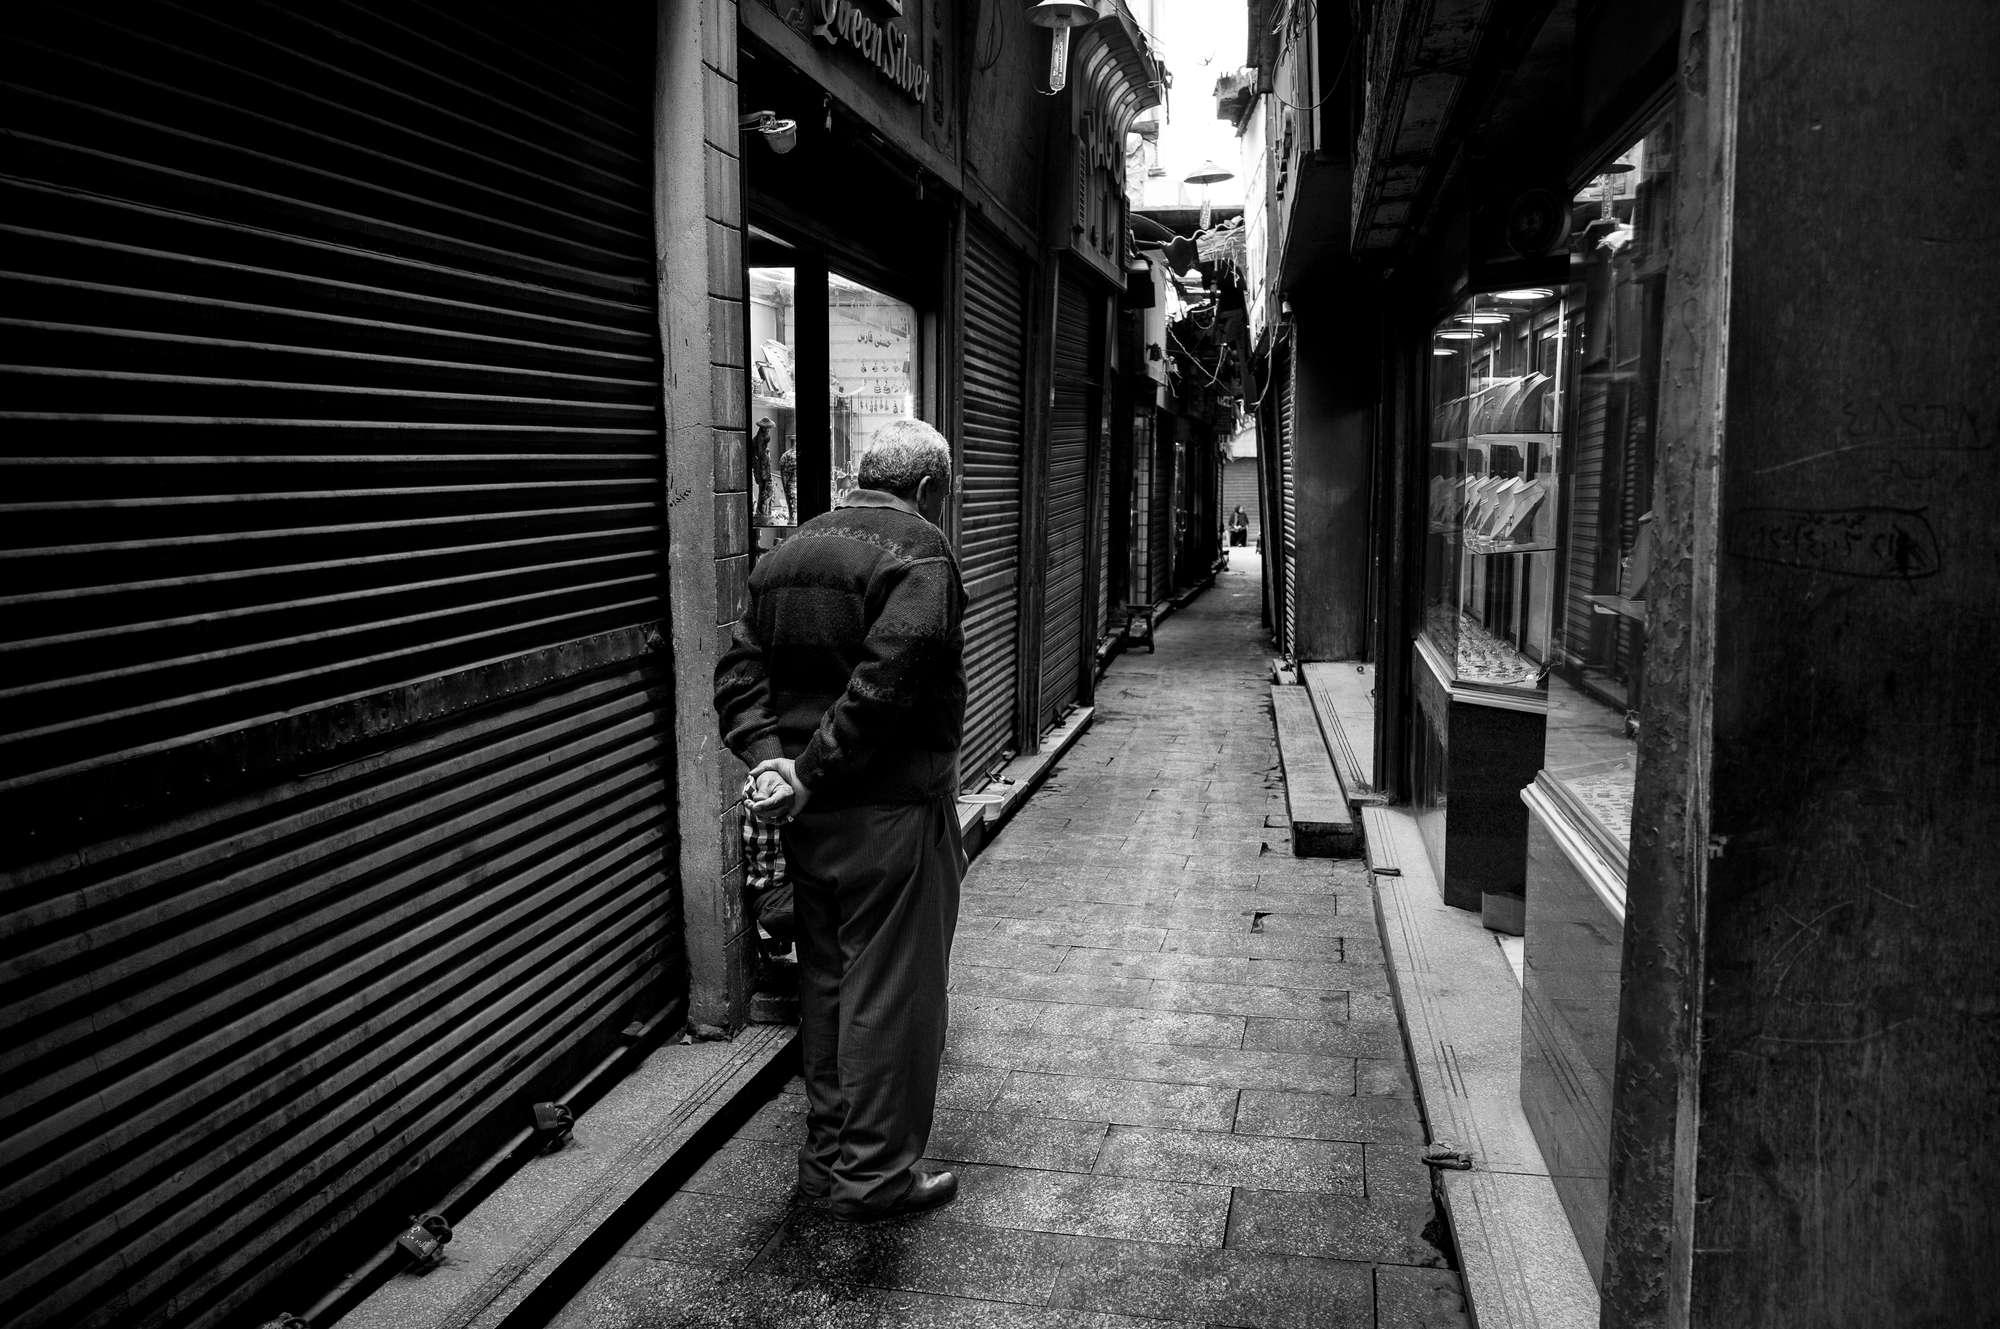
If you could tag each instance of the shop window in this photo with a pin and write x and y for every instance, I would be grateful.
(773, 447)
(871, 345)
(809, 325)
(1499, 366)
(1620, 242)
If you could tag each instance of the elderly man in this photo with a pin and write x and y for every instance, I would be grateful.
(844, 690)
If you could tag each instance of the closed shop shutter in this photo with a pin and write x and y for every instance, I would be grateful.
(1239, 490)
(1067, 499)
(1160, 516)
(331, 407)
(1288, 443)
(995, 367)
(1100, 492)
(1587, 563)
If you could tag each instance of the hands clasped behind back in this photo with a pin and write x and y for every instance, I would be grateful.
(774, 792)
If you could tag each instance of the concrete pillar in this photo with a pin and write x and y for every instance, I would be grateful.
(1337, 389)
(1808, 1031)
(700, 251)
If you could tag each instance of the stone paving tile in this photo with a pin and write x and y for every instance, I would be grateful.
(1118, 1024)
(1332, 1038)
(1164, 1212)
(651, 1294)
(1083, 989)
(995, 953)
(714, 1231)
(1419, 1299)
(634, 1293)
(781, 1121)
(1248, 895)
(748, 1169)
(1327, 1117)
(1384, 1230)
(1223, 969)
(1396, 1170)
(1213, 1159)
(1237, 971)
(1380, 1075)
(1081, 915)
(1187, 1107)
(1092, 886)
(1372, 1006)
(1239, 999)
(926, 1253)
(1065, 932)
(1001, 1015)
(1010, 1139)
(1232, 1287)
(969, 1088)
(1130, 1024)
(1156, 1062)
(1245, 944)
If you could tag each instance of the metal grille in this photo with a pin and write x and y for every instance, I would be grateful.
(995, 369)
(1067, 499)
(331, 393)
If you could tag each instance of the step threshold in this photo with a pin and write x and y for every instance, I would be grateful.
(527, 1247)
(1460, 1004)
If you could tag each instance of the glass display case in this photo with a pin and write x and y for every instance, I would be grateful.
(1500, 365)
(1620, 239)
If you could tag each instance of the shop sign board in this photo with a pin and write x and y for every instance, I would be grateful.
(885, 44)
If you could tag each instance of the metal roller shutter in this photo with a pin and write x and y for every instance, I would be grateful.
(331, 407)
(1067, 499)
(1101, 496)
(995, 369)
(1160, 514)
(1239, 490)
(1288, 461)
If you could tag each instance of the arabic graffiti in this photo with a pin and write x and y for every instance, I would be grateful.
(1886, 544)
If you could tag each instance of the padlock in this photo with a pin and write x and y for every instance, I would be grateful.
(552, 1123)
(425, 1239)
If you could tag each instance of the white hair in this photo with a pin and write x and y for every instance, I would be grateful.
(903, 452)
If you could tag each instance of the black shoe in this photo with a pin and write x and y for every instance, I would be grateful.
(928, 1190)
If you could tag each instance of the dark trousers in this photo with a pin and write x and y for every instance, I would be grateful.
(875, 892)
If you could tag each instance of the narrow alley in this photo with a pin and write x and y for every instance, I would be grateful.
(1175, 1086)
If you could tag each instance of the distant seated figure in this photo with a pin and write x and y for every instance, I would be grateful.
(1239, 526)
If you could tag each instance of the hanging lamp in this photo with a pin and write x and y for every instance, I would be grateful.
(1061, 15)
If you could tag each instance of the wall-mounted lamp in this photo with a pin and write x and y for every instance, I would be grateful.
(1062, 15)
(781, 135)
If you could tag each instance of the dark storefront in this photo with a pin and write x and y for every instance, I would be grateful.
(337, 767)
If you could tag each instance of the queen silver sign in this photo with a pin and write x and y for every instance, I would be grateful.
(884, 45)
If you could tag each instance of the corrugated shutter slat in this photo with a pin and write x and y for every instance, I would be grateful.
(995, 414)
(329, 379)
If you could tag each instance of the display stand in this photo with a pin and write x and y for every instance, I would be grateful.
(1494, 505)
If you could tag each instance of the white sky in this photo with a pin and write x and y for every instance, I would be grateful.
(1198, 41)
